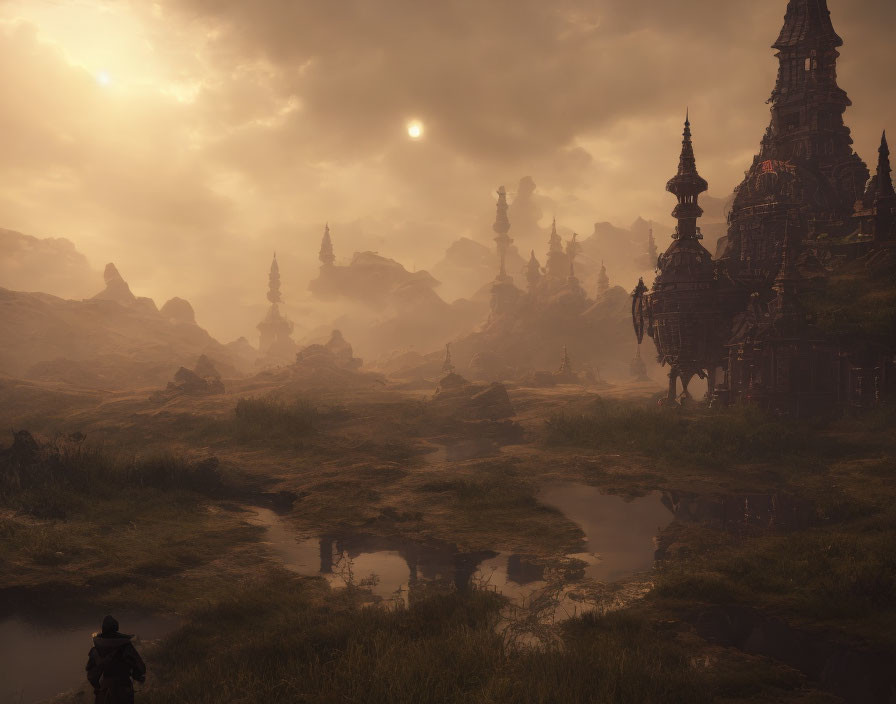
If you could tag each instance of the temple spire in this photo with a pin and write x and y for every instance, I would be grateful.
(603, 281)
(687, 185)
(274, 282)
(571, 249)
(448, 365)
(884, 177)
(884, 204)
(533, 272)
(501, 228)
(554, 243)
(326, 255)
(565, 363)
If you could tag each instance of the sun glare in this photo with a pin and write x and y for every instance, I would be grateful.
(103, 78)
(415, 129)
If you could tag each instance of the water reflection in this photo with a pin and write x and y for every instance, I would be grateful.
(620, 533)
(620, 540)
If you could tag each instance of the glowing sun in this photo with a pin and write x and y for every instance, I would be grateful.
(415, 129)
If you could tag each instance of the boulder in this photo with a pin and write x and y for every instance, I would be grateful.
(492, 403)
(178, 310)
(205, 369)
(203, 380)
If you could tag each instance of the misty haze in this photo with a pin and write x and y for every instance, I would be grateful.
(512, 352)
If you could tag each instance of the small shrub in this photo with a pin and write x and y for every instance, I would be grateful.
(49, 479)
(258, 418)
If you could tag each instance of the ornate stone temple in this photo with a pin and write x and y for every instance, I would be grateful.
(681, 311)
(764, 322)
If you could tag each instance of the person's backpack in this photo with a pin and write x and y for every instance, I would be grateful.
(113, 666)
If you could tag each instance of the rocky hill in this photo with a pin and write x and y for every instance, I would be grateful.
(114, 340)
(52, 265)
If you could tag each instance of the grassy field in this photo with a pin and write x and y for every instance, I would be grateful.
(290, 641)
(76, 520)
(166, 526)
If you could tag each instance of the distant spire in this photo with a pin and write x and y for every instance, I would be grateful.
(533, 272)
(652, 252)
(884, 196)
(884, 177)
(274, 282)
(565, 363)
(326, 255)
(555, 244)
(501, 228)
(603, 281)
(447, 365)
(571, 249)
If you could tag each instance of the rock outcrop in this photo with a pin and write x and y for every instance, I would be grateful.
(112, 341)
(461, 400)
(117, 288)
(202, 380)
(178, 310)
(52, 265)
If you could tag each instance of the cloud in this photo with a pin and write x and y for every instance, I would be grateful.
(234, 128)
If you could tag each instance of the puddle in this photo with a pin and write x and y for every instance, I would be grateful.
(620, 534)
(389, 567)
(41, 657)
(620, 540)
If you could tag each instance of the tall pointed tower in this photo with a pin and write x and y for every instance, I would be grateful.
(502, 228)
(326, 256)
(504, 295)
(884, 202)
(533, 273)
(652, 252)
(274, 283)
(806, 161)
(557, 266)
(572, 247)
(603, 281)
(681, 312)
(275, 343)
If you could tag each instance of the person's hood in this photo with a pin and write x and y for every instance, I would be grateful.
(111, 640)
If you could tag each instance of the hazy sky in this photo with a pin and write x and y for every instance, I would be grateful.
(187, 139)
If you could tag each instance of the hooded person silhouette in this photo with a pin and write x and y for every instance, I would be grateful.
(112, 663)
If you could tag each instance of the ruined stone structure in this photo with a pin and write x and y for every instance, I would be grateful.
(805, 211)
